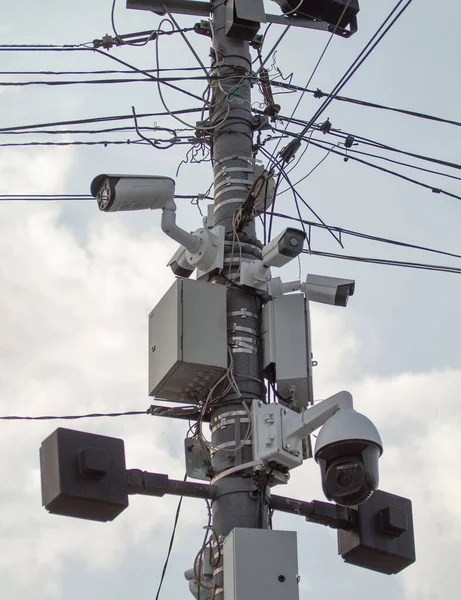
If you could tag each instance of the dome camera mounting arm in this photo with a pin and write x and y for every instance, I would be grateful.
(297, 426)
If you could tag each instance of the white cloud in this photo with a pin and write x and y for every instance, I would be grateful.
(73, 327)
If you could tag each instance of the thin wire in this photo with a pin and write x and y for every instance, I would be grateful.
(71, 417)
(112, 18)
(350, 232)
(309, 173)
(98, 120)
(386, 262)
(319, 94)
(274, 47)
(183, 35)
(434, 189)
(146, 73)
(283, 174)
(170, 545)
(98, 72)
(317, 64)
(357, 63)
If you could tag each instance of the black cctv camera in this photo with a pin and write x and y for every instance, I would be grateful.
(347, 450)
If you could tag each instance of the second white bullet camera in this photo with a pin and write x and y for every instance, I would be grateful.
(132, 192)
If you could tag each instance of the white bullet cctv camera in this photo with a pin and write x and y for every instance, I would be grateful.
(132, 192)
(277, 253)
(329, 290)
(348, 449)
(283, 248)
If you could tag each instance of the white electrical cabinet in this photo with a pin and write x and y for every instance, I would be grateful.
(260, 563)
(287, 347)
(268, 442)
(187, 341)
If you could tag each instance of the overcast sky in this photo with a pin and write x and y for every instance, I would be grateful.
(76, 287)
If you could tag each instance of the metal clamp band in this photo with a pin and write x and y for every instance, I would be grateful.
(236, 469)
(243, 329)
(231, 445)
(230, 201)
(224, 423)
(233, 188)
(243, 314)
(247, 159)
(241, 338)
(225, 170)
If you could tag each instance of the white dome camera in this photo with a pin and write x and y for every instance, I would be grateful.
(348, 449)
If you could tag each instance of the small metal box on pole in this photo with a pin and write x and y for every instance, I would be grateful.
(260, 563)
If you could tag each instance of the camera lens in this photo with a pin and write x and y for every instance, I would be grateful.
(345, 478)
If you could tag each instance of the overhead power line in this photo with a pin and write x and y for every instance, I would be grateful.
(98, 120)
(387, 262)
(333, 150)
(350, 232)
(71, 417)
(99, 72)
(288, 152)
(351, 150)
(319, 94)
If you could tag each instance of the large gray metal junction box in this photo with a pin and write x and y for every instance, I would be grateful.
(188, 341)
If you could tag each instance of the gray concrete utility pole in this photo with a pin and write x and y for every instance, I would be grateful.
(238, 503)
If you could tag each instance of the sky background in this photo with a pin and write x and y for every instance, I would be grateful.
(76, 286)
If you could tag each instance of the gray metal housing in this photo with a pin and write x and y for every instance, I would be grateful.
(260, 563)
(287, 347)
(187, 341)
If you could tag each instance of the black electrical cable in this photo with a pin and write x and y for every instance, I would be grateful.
(311, 76)
(170, 545)
(60, 83)
(157, 143)
(289, 151)
(54, 197)
(98, 120)
(371, 155)
(350, 232)
(412, 113)
(71, 417)
(283, 174)
(89, 131)
(368, 142)
(147, 74)
(99, 72)
(382, 146)
(387, 262)
(434, 189)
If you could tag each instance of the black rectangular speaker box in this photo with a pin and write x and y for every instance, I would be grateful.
(384, 541)
(329, 11)
(83, 475)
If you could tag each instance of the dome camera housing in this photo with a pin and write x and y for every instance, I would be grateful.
(347, 450)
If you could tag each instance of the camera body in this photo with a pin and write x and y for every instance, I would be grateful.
(329, 290)
(132, 192)
(283, 248)
(179, 264)
(347, 450)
